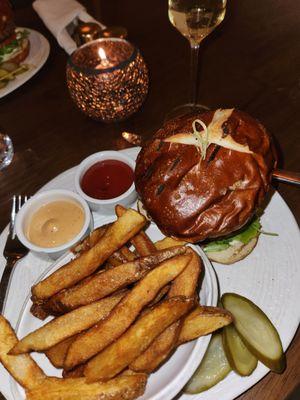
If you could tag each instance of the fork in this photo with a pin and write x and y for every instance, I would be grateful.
(13, 250)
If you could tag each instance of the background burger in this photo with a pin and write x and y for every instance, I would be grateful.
(14, 45)
(203, 177)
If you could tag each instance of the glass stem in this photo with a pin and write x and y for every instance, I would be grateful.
(194, 72)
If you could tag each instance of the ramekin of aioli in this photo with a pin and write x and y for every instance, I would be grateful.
(106, 179)
(53, 221)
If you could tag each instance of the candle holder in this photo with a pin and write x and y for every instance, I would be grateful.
(107, 79)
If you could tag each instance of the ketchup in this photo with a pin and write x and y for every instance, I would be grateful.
(107, 179)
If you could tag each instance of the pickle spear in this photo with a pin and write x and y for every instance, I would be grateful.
(213, 368)
(241, 360)
(256, 330)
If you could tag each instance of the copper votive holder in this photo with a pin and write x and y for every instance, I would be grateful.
(107, 79)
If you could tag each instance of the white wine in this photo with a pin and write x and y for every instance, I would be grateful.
(195, 19)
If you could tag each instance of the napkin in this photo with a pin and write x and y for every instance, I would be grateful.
(60, 17)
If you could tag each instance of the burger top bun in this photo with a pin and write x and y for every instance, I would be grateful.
(203, 175)
(7, 25)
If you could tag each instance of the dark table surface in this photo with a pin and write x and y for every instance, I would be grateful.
(251, 62)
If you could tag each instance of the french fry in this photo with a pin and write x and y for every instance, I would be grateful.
(67, 325)
(89, 261)
(116, 357)
(184, 285)
(202, 321)
(122, 316)
(57, 353)
(160, 295)
(158, 351)
(121, 256)
(95, 236)
(106, 282)
(125, 387)
(142, 243)
(37, 309)
(117, 258)
(23, 368)
(168, 242)
(90, 240)
(38, 386)
(128, 253)
(77, 372)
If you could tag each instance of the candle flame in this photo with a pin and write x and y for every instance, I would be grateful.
(102, 54)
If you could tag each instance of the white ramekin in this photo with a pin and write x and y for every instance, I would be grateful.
(105, 206)
(40, 199)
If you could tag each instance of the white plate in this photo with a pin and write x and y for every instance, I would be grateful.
(38, 54)
(269, 276)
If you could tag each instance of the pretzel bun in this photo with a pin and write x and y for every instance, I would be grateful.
(7, 25)
(195, 196)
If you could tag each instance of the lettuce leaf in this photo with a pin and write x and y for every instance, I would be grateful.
(14, 44)
(244, 236)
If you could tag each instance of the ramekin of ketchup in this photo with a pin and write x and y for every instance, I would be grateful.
(106, 179)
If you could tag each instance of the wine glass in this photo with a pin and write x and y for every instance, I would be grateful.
(195, 19)
(6, 150)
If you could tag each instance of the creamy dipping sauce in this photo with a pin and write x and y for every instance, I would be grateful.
(55, 223)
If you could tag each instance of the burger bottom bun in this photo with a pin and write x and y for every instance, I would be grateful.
(233, 253)
(142, 210)
(22, 54)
